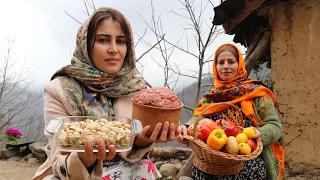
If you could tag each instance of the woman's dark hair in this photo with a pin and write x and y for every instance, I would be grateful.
(229, 48)
(97, 19)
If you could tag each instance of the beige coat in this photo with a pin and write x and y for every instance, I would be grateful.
(56, 105)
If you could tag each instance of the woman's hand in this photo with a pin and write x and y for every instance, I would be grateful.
(89, 158)
(183, 131)
(168, 133)
(258, 133)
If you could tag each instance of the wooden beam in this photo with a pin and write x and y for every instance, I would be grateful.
(258, 51)
(265, 10)
(253, 44)
(251, 5)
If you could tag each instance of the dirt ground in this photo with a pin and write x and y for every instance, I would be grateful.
(12, 170)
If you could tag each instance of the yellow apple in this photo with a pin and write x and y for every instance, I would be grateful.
(241, 138)
(249, 131)
(244, 149)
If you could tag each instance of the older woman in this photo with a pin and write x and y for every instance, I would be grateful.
(256, 102)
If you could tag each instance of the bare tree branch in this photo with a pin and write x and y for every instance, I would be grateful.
(148, 84)
(206, 85)
(181, 74)
(94, 7)
(87, 11)
(211, 4)
(181, 49)
(206, 74)
(72, 17)
(91, 5)
(186, 17)
(188, 108)
(208, 61)
(195, 23)
(185, 107)
(140, 37)
(150, 49)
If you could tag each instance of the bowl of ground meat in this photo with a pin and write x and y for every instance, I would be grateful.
(154, 105)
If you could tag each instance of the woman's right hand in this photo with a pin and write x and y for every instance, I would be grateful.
(89, 158)
(183, 131)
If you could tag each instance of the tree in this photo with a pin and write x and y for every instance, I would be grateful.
(16, 96)
(203, 33)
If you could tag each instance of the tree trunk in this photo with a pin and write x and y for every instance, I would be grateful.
(196, 98)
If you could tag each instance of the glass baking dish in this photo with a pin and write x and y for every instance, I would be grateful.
(71, 132)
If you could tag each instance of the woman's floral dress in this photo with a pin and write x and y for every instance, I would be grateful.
(122, 170)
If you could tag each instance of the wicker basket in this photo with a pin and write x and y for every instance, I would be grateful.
(216, 162)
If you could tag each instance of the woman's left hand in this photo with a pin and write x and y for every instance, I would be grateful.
(258, 133)
(168, 133)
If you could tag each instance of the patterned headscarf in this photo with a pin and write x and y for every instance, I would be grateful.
(240, 90)
(98, 87)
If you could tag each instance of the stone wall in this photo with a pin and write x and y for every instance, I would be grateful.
(295, 53)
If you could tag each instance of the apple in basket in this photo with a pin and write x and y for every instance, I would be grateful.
(154, 105)
(244, 149)
(204, 128)
(228, 127)
(252, 144)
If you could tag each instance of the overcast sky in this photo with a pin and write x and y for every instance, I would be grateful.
(45, 35)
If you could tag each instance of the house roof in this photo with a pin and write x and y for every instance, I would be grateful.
(244, 18)
(226, 10)
(231, 13)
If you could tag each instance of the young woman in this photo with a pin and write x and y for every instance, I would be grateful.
(101, 80)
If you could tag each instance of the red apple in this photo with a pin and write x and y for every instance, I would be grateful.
(252, 144)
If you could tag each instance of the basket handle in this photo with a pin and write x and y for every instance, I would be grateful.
(207, 108)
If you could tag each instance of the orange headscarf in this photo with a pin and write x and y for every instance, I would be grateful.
(240, 90)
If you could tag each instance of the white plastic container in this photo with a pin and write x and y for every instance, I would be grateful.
(71, 132)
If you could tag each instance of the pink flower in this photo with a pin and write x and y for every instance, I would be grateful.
(13, 132)
(151, 167)
(106, 178)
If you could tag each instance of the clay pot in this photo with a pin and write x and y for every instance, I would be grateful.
(150, 115)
